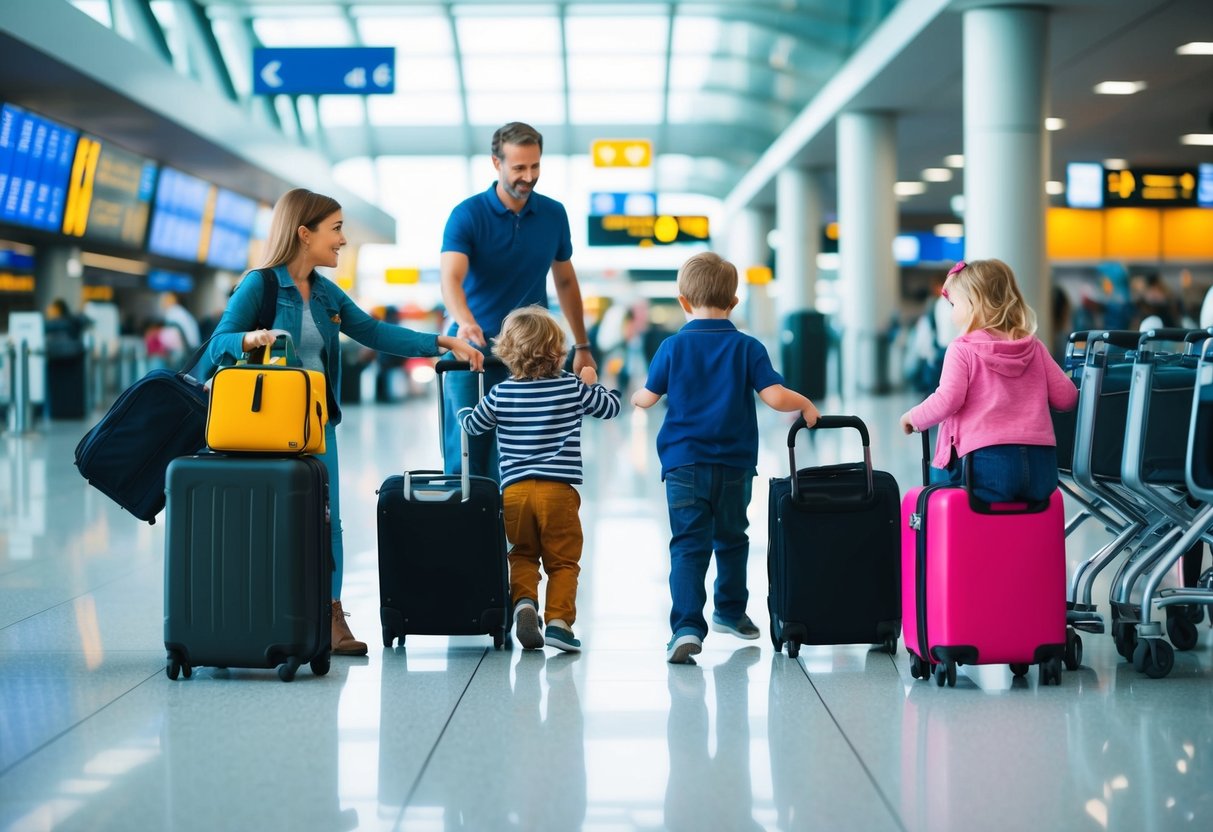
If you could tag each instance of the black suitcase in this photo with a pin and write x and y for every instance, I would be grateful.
(442, 556)
(834, 551)
(248, 567)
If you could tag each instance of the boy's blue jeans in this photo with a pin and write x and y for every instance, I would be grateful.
(707, 505)
(1009, 473)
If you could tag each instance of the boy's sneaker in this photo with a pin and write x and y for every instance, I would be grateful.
(681, 648)
(558, 635)
(526, 625)
(742, 627)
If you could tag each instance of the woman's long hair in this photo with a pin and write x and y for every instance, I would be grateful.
(298, 207)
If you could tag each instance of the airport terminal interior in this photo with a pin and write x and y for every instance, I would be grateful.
(844, 156)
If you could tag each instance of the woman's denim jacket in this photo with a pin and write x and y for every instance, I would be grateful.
(333, 312)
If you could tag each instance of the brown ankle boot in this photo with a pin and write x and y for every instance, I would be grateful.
(344, 643)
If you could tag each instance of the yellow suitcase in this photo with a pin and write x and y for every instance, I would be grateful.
(267, 408)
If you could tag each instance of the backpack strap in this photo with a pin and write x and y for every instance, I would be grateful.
(269, 299)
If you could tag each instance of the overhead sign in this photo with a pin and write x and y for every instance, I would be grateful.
(402, 276)
(1150, 186)
(637, 203)
(621, 230)
(109, 194)
(346, 70)
(622, 153)
(35, 160)
(1084, 185)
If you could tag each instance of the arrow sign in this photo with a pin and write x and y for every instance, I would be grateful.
(347, 70)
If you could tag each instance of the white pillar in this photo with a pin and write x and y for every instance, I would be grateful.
(747, 247)
(798, 217)
(867, 223)
(1005, 145)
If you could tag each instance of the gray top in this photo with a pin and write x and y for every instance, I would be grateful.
(311, 343)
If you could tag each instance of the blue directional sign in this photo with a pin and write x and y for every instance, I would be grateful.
(353, 70)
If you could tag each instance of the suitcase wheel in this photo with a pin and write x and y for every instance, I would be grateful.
(1073, 657)
(945, 672)
(286, 670)
(502, 641)
(890, 645)
(793, 648)
(320, 665)
(389, 635)
(1020, 669)
(1050, 671)
(919, 668)
(176, 667)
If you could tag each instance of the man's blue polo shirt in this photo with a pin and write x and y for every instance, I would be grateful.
(709, 373)
(509, 254)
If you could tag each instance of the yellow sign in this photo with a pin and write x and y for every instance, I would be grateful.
(758, 275)
(625, 229)
(622, 153)
(16, 282)
(402, 276)
(80, 188)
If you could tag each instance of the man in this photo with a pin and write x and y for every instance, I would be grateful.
(496, 252)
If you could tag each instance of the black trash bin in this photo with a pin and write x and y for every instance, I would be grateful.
(804, 352)
(65, 380)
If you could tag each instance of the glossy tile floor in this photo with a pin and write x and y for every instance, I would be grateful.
(448, 734)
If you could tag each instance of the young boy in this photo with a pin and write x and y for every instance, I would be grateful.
(537, 413)
(708, 446)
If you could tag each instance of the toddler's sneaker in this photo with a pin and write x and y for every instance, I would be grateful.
(742, 628)
(682, 647)
(526, 624)
(560, 635)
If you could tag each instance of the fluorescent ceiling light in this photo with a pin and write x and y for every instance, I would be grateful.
(1119, 87)
(937, 175)
(1205, 139)
(956, 160)
(1055, 123)
(909, 188)
(954, 230)
(957, 204)
(1055, 188)
(1195, 48)
(1115, 164)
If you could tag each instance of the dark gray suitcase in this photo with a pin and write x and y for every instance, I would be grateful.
(834, 551)
(248, 565)
(442, 555)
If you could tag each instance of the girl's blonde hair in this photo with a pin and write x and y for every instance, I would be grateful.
(531, 343)
(990, 287)
(295, 208)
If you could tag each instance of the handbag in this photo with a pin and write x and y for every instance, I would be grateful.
(260, 407)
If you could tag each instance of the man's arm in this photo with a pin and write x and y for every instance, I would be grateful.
(568, 293)
(454, 268)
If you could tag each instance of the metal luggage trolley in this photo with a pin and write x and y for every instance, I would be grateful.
(1152, 655)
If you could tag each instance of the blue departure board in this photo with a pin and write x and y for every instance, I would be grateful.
(180, 216)
(35, 161)
(233, 223)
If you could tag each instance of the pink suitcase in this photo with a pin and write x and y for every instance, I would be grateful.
(982, 584)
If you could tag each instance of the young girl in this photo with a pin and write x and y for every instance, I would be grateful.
(537, 413)
(996, 389)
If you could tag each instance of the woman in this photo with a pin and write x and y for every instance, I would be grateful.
(306, 232)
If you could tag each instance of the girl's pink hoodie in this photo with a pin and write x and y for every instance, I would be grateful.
(994, 391)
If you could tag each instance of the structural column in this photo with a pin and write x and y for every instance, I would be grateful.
(1005, 145)
(798, 217)
(867, 223)
(747, 247)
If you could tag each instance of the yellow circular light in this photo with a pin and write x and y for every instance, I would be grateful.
(665, 229)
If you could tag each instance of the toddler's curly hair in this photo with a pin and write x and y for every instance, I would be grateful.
(531, 343)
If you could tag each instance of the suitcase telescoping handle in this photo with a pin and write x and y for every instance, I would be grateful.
(828, 423)
(447, 365)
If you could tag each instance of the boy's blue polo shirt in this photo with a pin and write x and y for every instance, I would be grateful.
(509, 254)
(709, 373)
